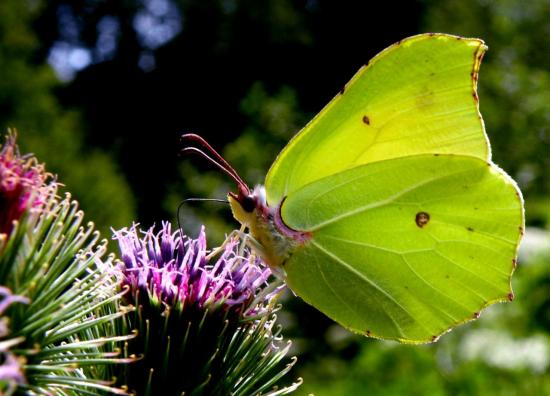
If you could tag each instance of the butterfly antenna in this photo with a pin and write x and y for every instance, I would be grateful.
(228, 168)
(185, 201)
(228, 172)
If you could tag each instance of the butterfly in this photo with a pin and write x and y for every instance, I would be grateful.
(385, 212)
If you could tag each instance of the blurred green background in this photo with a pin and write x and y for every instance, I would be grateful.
(102, 90)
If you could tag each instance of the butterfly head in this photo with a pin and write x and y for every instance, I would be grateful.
(246, 205)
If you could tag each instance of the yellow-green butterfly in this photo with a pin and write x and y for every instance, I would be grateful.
(386, 212)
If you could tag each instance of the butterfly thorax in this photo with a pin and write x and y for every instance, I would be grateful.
(271, 238)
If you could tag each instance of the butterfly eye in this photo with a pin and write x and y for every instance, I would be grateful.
(248, 203)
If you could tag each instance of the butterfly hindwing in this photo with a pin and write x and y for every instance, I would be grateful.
(406, 248)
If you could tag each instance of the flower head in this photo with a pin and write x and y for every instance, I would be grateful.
(22, 184)
(175, 270)
(11, 372)
(204, 320)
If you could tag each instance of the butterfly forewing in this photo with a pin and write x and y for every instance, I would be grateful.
(417, 96)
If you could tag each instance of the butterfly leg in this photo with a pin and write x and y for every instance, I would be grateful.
(233, 235)
(248, 240)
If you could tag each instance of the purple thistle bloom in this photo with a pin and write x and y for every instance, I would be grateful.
(175, 270)
(22, 184)
(10, 366)
(198, 314)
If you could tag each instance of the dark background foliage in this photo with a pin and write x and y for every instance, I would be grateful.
(102, 90)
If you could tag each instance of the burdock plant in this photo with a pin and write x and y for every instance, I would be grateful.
(205, 321)
(169, 318)
(58, 310)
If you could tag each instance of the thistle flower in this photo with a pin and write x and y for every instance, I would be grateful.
(205, 321)
(22, 184)
(61, 339)
(11, 372)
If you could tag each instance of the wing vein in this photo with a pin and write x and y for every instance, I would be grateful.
(431, 305)
(402, 255)
(375, 204)
(373, 285)
(471, 272)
